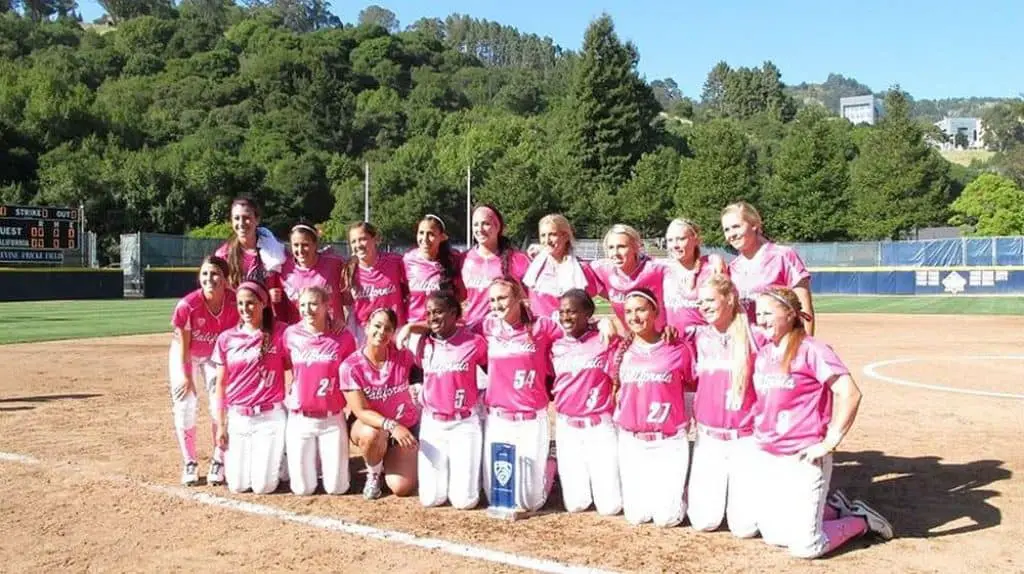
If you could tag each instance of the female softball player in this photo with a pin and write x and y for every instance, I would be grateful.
(584, 397)
(251, 363)
(519, 364)
(450, 432)
(198, 319)
(253, 253)
(308, 267)
(723, 482)
(761, 264)
(686, 270)
(376, 385)
(316, 428)
(626, 268)
(556, 269)
(493, 256)
(653, 449)
(432, 266)
(373, 280)
(806, 403)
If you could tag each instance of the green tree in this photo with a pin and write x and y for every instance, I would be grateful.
(612, 107)
(374, 14)
(723, 169)
(807, 193)
(992, 204)
(1004, 125)
(645, 201)
(898, 183)
(121, 10)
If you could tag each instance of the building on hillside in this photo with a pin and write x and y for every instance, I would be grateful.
(971, 128)
(861, 109)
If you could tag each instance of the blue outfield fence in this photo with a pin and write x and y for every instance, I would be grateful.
(989, 265)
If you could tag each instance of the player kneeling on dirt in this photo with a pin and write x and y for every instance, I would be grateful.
(316, 422)
(797, 426)
(376, 384)
(584, 397)
(654, 452)
(251, 361)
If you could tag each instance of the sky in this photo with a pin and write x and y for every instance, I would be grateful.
(931, 48)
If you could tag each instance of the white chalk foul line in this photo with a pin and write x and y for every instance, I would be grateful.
(872, 371)
(346, 527)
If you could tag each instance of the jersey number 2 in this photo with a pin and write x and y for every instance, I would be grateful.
(321, 390)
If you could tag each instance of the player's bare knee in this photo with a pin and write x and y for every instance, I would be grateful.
(401, 486)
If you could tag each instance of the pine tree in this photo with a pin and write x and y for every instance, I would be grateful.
(612, 107)
(898, 183)
(807, 195)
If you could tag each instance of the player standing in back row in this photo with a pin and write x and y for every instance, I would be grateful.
(198, 319)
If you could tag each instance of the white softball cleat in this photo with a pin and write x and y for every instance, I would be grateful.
(372, 489)
(876, 522)
(839, 501)
(215, 476)
(190, 474)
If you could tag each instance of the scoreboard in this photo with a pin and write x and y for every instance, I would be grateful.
(38, 234)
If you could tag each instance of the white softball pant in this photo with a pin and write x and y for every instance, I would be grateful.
(255, 450)
(588, 463)
(792, 502)
(653, 470)
(309, 436)
(723, 482)
(185, 409)
(532, 442)
(448, 463)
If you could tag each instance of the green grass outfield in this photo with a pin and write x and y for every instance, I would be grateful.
(34, 321)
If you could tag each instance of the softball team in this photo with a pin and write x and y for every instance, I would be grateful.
(437, 356)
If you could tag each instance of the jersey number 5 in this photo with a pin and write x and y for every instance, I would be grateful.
(659, 412)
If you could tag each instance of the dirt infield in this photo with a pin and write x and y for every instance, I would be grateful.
(94, 416)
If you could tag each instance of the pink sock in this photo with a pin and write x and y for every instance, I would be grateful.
(187, 443)
(549, 474)
(843, 530)
(830, 513)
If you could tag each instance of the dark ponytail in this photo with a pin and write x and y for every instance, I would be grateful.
(351, 277)
(236, 259)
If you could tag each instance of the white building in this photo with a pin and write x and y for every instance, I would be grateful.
(971, 128)
(861, 109)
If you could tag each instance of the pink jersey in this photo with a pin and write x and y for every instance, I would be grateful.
(651, 379)
(386, 388)
(477, 274)
(546, 293)
(423, 277)
(273, 278)
(583, 368)
(713, 369)
(316, 358)
(681, 289)
(519, 363)
(772, 266)
(326, 273)
(251, 380)
(614, 285)
(382, 285)
(193, 315)
(449, 370)
(792, 411)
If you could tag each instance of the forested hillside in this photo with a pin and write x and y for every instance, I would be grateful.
(157, 122)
